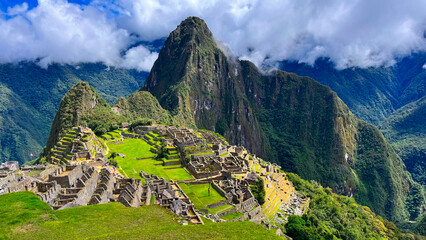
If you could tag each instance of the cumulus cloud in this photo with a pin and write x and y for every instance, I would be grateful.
(139, 58)
(61, 32)
(359, 33)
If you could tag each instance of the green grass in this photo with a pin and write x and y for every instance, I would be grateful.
(33, 173)
(232, 216)
(137, 148)
(24, 216)
(115, 135)
(155, 135)
(221, 209)
(202, 153)
(199, 194)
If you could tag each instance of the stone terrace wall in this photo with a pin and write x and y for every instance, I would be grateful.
(89, 187)
(66, 181)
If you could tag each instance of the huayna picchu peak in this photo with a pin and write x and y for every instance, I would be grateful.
(290, 120)
(213, 142)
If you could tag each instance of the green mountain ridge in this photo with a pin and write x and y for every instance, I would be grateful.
(384, 96)
(373, 93)
(31, 96)
(406, 131)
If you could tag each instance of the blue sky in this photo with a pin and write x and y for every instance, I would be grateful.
(360, 33)
(4, 4)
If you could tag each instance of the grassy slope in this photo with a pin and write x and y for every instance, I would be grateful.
(24, 216)
(137, 148)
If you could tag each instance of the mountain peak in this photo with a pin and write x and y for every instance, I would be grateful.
(75, 106)
(193, 25)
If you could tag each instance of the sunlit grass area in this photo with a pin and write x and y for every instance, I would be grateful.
(24, 216)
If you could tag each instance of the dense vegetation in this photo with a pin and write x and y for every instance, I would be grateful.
(30, 97)
(406, 131)
(142, 103)
(258, 191)
(81, 106)
(332, 216)
(372, 93)
(24, 216)
(392, 98)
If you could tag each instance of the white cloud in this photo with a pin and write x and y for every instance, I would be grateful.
(18, 9)
(57, 31)
(351, 33)
(139, 58)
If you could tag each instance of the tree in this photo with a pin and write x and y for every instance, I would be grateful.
(113, 155)
(162, 152)
(258, 191)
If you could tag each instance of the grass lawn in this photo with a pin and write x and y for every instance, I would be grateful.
(137, 148)
(199, 194)
(232, 216)
(202, 153)
(24, 216)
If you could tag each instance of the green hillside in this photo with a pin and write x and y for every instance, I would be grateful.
(30, 97)
(373, 93)
(392, 98)
(24, 216)
(406, 131)
(333, 216)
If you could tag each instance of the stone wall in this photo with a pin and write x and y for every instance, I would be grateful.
(89, 187)
(67, 180)
(218, 204)
(51, 170)
(48, 191)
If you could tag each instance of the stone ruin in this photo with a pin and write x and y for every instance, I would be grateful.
(9, 166)
(129, 192)
(171, 196)
(208, 167)
(230, 169)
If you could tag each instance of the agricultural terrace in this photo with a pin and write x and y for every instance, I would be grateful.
(199, 194)
(134, 149)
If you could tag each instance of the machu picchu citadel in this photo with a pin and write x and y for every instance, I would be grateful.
(178, 138)
(78, 173)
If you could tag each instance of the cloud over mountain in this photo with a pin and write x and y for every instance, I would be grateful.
(351, 33)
